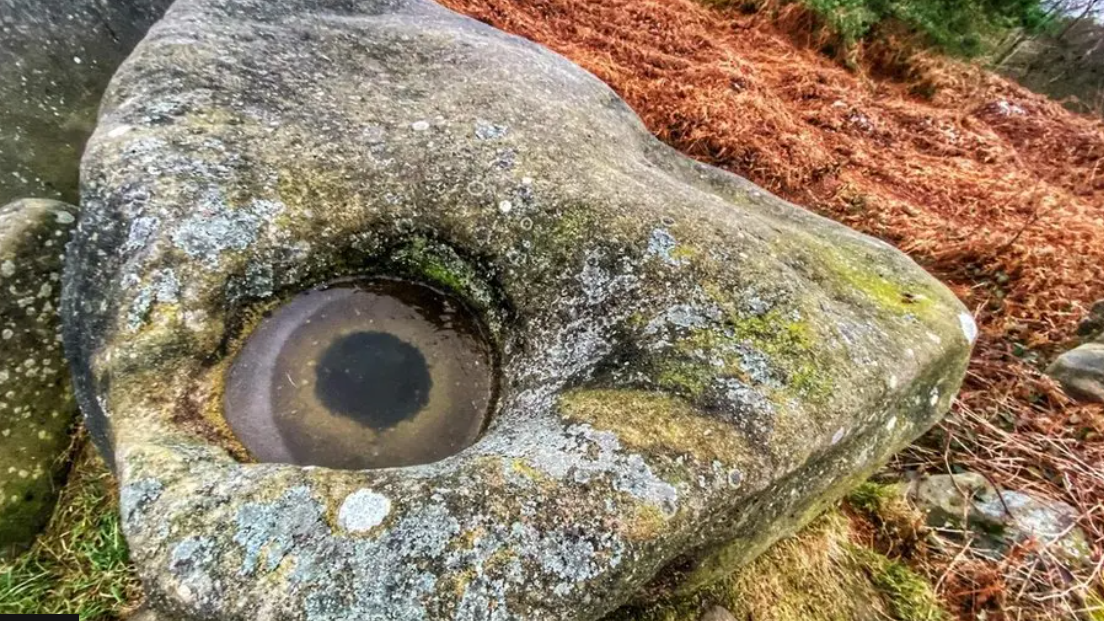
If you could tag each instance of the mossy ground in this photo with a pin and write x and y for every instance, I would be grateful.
(819, 574)
(79, 565)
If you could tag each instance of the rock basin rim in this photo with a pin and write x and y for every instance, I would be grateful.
(372, 376)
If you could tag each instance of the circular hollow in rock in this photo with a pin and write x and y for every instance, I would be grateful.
(362, 374)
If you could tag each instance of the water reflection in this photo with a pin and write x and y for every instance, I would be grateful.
(362, 374)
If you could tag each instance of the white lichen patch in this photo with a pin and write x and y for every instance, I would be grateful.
(685, 316)
(662, 244)
(163, 288)
(119, 131)
(363, 510)
(217, 227)
(969, 326)
(485, 130)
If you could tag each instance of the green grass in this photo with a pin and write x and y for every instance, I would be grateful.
(964, 28)
(79, 565)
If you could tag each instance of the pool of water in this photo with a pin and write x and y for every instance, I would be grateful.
(362, 374)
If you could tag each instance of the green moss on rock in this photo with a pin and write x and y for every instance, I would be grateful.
(655, 423)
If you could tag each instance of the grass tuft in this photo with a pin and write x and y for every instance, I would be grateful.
(79, 565)
(818, 574)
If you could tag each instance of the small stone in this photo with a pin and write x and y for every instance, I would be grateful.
(419, 126)
(1080, 372)
(1001, 518)
(1092, 327)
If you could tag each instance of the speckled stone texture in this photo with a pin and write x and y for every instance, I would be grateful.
(690, 367)
(56, 58)
(1080, 371)
(36, 402)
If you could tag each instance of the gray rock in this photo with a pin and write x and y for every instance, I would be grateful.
(36, 402)
(1080, 372)
(1001, 519)
(1092, 327)
(56, 58)
(690, 367)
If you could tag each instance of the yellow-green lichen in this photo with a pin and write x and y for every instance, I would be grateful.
(655, 423)
(689, 378)
(643, 523)
(789, 343)
(861, 275)
(521, 467)
(570, 227)
(684, 253)
(785, 340)
(304, 190)
(556, 242)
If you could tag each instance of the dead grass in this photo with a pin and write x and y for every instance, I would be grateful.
(997, 191)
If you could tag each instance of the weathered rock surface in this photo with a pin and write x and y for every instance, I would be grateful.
(1080, 372)
(36, 403)
(1001, 518)
(690, 367)
(1092, 327)
(56, 58)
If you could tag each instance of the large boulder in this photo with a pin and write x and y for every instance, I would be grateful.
(688, 367)
(56, 58)
(36, 402)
